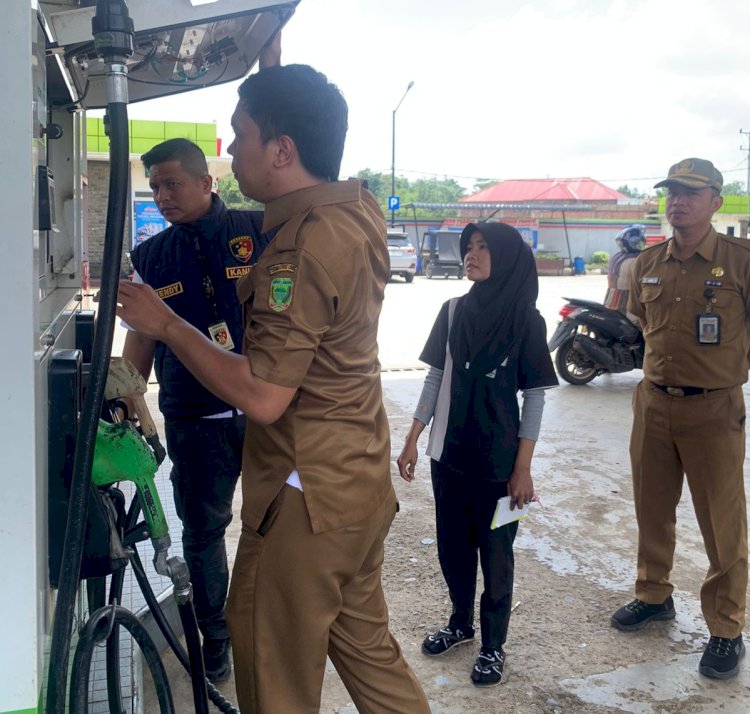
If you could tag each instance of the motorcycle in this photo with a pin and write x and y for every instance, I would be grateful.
(592, 339)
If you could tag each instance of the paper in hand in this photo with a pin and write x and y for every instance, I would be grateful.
(504, 515)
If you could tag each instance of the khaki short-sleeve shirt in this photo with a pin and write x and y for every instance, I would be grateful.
(312, 305)
(668, 295)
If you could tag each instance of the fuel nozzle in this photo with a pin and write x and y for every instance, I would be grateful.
(121, 455)
(125, 381)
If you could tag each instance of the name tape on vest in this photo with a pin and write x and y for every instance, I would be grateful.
(238, 272)
(169, 291)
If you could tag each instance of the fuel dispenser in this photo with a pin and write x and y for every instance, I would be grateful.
(59, 58)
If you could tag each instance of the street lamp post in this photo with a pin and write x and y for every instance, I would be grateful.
(747, 185)
(393, 152)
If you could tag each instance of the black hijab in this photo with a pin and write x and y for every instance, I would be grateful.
(489, 321)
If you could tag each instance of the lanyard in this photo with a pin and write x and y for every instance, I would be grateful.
(208, 286)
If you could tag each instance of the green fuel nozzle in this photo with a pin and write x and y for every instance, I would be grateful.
(122, 455)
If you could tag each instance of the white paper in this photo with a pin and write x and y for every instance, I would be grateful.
(503, 514)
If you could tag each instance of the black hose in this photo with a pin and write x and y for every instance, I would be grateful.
(193, 642)
(70, 567)
(96, 630)
(158, 614)
(216, 697)
(114, 683)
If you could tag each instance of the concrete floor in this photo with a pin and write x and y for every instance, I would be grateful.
(585, 534)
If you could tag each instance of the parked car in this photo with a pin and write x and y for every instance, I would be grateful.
(403, 256)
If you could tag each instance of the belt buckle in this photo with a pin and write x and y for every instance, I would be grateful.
(675, 392)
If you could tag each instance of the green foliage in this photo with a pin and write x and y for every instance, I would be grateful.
(631, 192)
(232, 196)
(420, 191)
(482, 184)
(541, 255)
(733, 188)
(599, 257)
(379, 184)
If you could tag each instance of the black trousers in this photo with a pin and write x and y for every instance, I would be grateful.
(206, 457)
(464, 508)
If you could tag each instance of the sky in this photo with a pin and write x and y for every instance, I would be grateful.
(616, 90)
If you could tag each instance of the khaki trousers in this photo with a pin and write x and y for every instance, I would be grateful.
(296, 597)
(701, 437)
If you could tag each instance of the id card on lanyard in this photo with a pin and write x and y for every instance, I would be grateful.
(218, 330)
(708, 325)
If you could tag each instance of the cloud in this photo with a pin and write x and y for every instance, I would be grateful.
(606, 88)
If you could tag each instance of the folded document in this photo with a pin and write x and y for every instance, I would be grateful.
(504, 515)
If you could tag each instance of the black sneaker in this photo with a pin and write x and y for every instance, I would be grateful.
(441, 641)
(216, 659)
(488, 669)
(721, 658)
(637, 614)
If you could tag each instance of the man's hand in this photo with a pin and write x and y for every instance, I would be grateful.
(270, 55)
(144, 311)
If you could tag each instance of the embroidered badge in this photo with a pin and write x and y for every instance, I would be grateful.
(650, 280)
(717, 272)
(282, 268)
(241, 248)
(220, 335)
(280, 296)
(714, 283)
(238, 271)
(169, 291)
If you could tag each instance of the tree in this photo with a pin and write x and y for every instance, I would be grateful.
(734, 188)
(631, 192)
(434, 191)
(379, 184)
(230, 193)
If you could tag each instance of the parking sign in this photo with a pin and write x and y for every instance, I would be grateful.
(393, 203)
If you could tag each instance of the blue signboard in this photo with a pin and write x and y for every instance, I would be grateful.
(530, 234)
(147, 221)
(394, 202)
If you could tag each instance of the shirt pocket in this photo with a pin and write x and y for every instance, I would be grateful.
(725, 301)
(651, 299)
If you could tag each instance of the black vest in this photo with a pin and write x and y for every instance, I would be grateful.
(230, 242)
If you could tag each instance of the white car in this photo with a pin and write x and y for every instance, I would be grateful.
(403, 256)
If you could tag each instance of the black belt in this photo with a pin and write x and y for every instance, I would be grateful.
(682, 391)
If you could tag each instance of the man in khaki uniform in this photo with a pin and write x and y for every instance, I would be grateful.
(318, 499)
(692, 295)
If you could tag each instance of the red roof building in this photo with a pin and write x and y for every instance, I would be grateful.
(566, 190)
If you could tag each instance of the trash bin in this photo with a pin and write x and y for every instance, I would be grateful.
(579, 266)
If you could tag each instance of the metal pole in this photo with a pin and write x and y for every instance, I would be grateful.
(747, 185)
(393, 152)
(393, 166)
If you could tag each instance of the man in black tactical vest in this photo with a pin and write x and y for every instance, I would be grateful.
(193, 266)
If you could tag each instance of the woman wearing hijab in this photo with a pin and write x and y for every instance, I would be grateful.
(483, 349)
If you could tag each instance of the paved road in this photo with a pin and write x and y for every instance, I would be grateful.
(410, 310)
(575, 557)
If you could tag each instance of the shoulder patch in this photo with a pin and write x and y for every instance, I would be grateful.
(241, 247)
(280, 294)
(282, 268)
(169, 291)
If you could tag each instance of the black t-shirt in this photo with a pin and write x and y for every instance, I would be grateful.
(482, 433)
